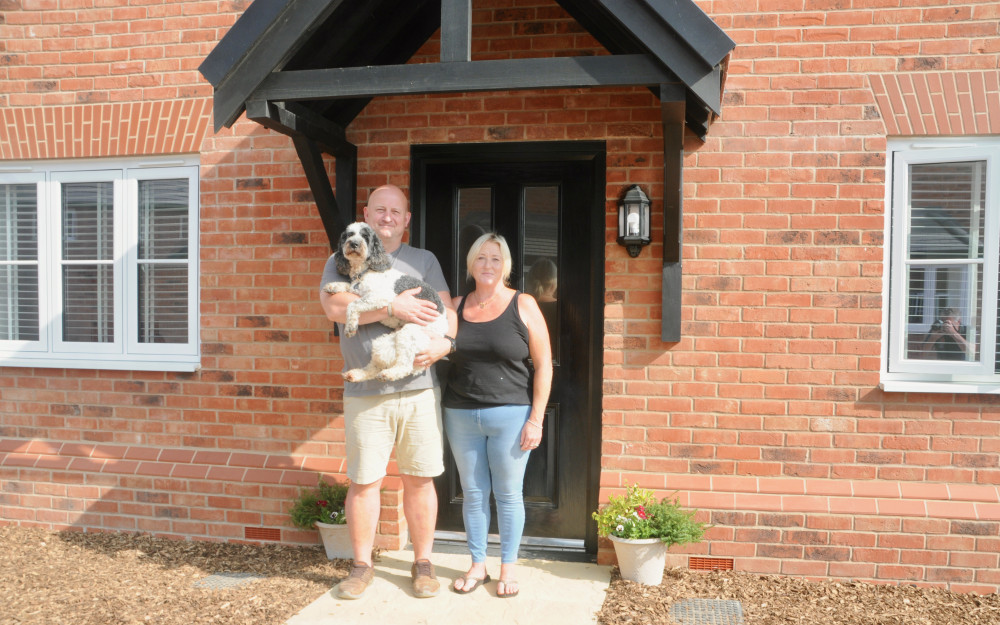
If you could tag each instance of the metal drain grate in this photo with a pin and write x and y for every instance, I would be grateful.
(707, 612)
(217, 581)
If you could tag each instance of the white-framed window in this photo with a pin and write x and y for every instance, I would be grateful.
(99, 264)
(942, 250)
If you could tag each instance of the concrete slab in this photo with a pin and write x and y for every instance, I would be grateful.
(554, 593)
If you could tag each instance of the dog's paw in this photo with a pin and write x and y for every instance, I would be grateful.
(350, 330)
(354, 375)
(397, 373)
(336, 287)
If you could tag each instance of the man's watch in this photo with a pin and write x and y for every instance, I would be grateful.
(454, 346)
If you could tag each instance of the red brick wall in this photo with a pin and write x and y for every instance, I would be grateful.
(767, 416)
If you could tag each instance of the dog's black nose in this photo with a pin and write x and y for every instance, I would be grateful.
(354, 244)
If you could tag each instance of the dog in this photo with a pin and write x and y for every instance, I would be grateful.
(361, 257)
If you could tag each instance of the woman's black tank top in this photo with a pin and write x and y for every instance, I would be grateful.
(490, 366)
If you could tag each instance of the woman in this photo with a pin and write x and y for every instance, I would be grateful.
(494, 406)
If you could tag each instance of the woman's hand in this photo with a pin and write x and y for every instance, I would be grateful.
(531, 435)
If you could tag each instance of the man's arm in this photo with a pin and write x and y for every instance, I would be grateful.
(405, 307)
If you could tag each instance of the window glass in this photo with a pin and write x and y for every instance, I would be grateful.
(19, 262)
(87, 254)
(475, 218)
(945, 256)
(162, 258)
(540, 262)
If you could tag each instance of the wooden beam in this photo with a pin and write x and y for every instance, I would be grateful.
(292, 121)
(269, 51)
(456, 31)
(311, 136)
(319, 183)
(646, 23)
(347, 187)
(495, 75)
(672, 104)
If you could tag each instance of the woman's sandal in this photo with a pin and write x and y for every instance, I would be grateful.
(477, 582)
(506, 584)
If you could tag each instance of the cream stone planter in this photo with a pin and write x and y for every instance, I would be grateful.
(336, 540)
(641, 559)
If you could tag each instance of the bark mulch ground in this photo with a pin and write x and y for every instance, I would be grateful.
(72, 578)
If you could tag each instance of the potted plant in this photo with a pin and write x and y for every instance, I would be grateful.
(642, 528)
(322, 508)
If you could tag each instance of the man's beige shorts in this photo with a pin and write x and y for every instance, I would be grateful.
(410, 420)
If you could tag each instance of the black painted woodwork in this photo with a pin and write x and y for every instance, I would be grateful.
(561, 485)
(672, 105)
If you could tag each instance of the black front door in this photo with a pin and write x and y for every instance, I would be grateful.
(547, 200)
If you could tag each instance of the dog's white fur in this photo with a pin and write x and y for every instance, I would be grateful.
(361, 257)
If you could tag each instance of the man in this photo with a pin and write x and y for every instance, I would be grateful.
(405, 413)
(946, 340)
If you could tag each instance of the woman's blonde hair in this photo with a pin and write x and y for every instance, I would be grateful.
(477, 246)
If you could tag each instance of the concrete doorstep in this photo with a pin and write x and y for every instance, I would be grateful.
(553, 593)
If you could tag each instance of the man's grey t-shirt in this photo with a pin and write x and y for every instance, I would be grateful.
(357, 349)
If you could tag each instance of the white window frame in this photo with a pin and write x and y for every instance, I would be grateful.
(899, 373)
(125, 352)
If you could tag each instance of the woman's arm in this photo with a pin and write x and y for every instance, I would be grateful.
(540, 350)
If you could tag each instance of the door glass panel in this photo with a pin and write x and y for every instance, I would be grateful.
(540, 261)
(475, 218)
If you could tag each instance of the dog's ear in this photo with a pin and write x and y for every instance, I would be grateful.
(378, 260)
(343, 267)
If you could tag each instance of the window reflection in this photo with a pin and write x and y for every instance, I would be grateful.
(945, 252)
(540, 261)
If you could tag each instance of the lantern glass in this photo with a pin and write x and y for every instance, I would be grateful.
(633, 220)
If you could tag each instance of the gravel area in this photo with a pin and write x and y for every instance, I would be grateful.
(73, 578)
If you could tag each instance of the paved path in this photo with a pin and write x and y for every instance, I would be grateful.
(552, 593)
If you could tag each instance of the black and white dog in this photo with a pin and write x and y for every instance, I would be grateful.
(361, 257)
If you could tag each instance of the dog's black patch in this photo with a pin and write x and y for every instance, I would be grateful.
(406, 283)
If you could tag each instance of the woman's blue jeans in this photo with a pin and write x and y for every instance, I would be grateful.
(486, 443)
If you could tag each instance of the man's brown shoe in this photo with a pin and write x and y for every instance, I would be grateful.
(425, 584)
(356, 583)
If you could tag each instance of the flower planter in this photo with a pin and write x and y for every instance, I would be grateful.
(336, 540)
(641, 559)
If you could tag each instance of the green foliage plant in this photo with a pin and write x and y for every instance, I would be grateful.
(638, 514)
(324, 503)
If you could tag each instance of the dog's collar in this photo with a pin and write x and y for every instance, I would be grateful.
(357, 279)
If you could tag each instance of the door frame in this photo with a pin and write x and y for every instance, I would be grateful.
(595, 154)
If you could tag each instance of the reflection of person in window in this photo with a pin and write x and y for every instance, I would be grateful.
(945, 340)
(541, 283)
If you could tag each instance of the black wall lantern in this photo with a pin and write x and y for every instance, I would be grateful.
(633, 220)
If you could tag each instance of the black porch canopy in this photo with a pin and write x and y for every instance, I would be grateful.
(307, 68)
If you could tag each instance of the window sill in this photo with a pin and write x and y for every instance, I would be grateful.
(959, 388)
(119, 364)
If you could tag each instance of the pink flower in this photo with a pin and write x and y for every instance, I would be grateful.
(641, 511)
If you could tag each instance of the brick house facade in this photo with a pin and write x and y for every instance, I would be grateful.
(774, 415)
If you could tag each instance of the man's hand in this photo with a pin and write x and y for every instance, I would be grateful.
(409, 308)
